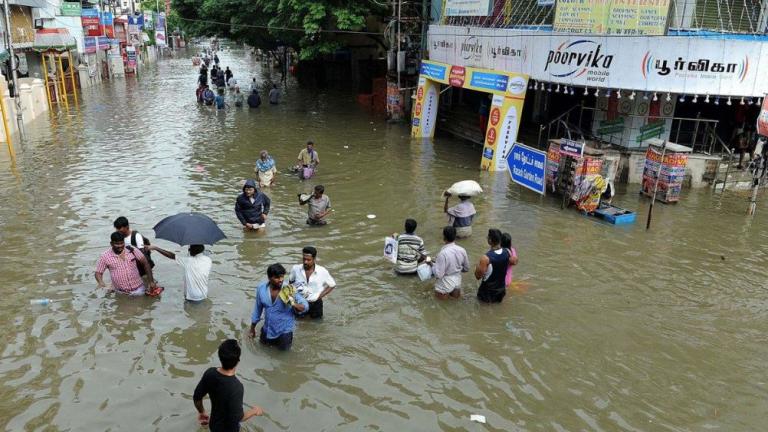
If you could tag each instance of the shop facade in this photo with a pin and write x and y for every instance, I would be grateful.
(620, 90)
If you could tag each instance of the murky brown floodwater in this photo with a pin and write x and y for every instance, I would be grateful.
(619, 329)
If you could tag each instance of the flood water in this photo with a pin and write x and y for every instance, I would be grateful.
(608, 328)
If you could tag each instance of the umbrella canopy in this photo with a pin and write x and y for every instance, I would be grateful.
(189, 229)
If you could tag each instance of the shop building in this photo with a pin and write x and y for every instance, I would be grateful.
(617, 78)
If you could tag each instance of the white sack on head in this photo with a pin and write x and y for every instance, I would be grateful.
(465, 187)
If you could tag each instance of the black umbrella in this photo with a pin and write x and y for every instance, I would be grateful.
(189, 229)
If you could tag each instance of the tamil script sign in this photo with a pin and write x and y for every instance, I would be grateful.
(628, 18)
(70, 9)
(671, 64)
(467, 7)
(527, 166)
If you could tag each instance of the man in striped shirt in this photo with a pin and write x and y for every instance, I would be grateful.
(122, 266)
(410, 249)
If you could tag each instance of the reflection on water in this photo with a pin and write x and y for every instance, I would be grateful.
(609, 328)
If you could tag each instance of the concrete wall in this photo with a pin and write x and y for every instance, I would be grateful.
(34, 102)
(696, 173)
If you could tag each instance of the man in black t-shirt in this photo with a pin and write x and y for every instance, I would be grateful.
(225, 391)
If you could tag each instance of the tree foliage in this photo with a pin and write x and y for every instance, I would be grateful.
(306, 25)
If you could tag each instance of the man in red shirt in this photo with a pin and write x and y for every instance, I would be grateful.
(122, 266)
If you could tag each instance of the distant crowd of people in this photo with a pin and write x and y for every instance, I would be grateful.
(223, 79)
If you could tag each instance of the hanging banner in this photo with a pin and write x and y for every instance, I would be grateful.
(467, 7)
(508, 90)
(725, 67)
(160, 29)
(762, 119)
(130, 56)
(627, 18)
(90, 44)
(107, 24)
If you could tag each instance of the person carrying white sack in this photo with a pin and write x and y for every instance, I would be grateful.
(462, 214)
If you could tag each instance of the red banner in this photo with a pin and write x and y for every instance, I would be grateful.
(762, 119)
(91, 26)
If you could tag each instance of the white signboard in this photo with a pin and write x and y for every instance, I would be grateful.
(467, 7)
(657, 64)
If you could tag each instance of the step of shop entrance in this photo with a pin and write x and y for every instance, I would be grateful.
(461, 125)
(737, 180)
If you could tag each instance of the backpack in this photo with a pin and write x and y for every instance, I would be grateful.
(147, 254)
(208, 96)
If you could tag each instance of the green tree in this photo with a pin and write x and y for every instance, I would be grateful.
(308, 26)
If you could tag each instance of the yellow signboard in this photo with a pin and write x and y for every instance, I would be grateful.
(617, 17)
(508, 90)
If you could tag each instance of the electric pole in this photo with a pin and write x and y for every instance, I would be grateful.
(14, 67)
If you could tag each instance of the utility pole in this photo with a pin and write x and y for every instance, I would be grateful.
(14, 67)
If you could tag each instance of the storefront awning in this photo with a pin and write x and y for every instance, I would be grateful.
(55, 39)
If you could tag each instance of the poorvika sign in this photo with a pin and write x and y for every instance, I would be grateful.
(574, 59)
(656, 64)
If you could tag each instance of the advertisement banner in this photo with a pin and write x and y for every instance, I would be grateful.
(669, 64)
(160, 29)
(508, 90)
(467, 7)
(762, 119)
(425, 108)
(107, 24)
(670, 172)
(130, 52)
(394, 101)
(90, 21)
(641, 18)
(90, 44)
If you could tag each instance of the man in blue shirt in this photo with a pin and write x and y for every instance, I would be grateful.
(279, 320)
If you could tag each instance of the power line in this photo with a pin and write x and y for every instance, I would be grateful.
(281, 28)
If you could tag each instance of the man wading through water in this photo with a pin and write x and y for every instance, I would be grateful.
(312, 281)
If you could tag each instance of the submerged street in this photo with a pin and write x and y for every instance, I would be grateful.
(607, 328)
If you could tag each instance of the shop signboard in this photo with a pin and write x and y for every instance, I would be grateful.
(571, 148)
(642, 18)
(71, 9)
(670, 64)
(467, 7)
(527, 167)
(762, 119)
(90, 44)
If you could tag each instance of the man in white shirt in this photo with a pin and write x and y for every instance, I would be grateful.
(197, 268)
(312, 281)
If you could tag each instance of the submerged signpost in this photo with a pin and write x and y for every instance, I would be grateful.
(527, 167)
